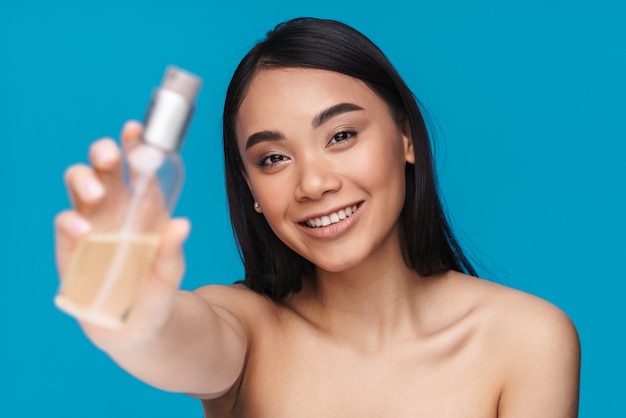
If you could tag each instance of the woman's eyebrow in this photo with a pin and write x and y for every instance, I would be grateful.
(262, 136)
(333, 111)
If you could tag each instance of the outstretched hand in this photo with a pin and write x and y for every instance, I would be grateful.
(91, 186)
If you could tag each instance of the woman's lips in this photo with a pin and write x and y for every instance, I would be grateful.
(333, 224)
(331, 218)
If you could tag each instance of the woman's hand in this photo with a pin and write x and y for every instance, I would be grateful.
(90, 187)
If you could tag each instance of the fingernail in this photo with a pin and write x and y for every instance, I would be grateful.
(106, 153)
(80, 226)
(92, 189)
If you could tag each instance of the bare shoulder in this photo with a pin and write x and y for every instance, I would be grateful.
(521, 318)
(250, 308)
(536, 345)
(217, 293)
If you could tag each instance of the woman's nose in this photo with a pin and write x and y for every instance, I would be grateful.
(317, 176)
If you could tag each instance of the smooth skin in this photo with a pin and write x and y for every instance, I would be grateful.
(368, 337)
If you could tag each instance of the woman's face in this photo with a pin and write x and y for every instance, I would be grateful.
(325, 160)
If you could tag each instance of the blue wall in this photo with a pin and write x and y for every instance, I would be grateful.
(527, 98)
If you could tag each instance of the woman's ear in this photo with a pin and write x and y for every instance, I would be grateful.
(409, 152)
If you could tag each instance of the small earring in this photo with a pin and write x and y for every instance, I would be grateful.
(257, 207)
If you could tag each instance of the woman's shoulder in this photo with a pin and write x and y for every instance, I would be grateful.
(531, 335)
(514, 312)
(509, 312)
(251, 308)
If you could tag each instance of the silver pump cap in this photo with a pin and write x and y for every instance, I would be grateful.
(170, 109)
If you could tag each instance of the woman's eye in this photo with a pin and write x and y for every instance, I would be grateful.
(342, 137)
(271, 160)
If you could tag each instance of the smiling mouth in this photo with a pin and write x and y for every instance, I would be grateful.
(331, 218)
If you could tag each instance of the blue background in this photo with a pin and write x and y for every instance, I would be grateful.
(527, 98)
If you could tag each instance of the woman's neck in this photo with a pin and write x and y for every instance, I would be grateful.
(369, 307)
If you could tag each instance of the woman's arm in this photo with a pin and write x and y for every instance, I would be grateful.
(171, 339)
(200, 350)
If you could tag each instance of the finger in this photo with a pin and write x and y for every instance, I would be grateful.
(131, 131)
(84, 187)
(105, 155)
(106, 158)
(130, 137)
(69, 228)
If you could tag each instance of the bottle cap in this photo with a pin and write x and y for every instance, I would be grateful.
(181, 82)
(171, 109)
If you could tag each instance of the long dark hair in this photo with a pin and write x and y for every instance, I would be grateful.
(272, 268)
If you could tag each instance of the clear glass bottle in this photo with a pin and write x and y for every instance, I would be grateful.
(113, 259)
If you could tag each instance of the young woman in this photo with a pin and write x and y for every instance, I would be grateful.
(357, 300)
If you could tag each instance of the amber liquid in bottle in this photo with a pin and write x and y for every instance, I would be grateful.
(105, 275)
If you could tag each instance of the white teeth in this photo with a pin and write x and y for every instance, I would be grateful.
(331, 218)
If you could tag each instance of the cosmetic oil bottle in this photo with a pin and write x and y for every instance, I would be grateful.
(112, 261)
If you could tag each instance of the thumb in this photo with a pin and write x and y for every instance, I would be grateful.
(156, 296)
(169, 265)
